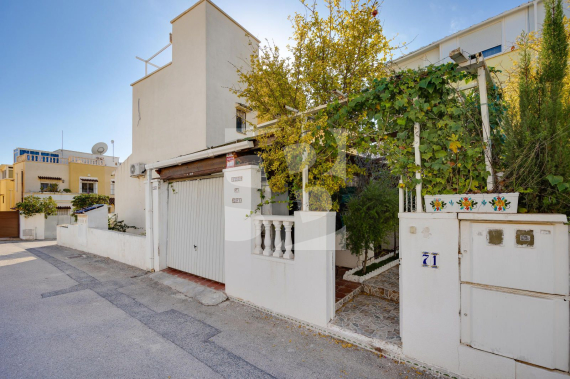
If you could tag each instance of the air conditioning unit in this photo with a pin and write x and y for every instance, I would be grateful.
(137, 169)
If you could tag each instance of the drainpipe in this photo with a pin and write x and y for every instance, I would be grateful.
(149, 219)
(535, 3)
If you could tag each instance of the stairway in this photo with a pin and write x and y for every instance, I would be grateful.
(385, 285)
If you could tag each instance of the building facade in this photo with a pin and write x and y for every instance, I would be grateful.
(6, 187)
(495, 38)
(62, 174)
(185, 106)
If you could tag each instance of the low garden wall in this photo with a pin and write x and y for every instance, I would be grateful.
(302, 286)
(122, 247)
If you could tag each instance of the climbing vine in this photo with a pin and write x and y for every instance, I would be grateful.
(380, 121)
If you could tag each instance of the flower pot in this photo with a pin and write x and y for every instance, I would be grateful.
(476, 203)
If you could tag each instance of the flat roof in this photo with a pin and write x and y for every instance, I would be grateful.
(463, 31)
(221, 11)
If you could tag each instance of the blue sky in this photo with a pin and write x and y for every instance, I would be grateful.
(68, 65)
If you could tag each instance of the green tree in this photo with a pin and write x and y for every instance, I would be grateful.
(32, 205)
(369, 219)
(342, 50)
(537, 131)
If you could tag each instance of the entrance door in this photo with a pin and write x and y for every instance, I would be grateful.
(9, 224)
(196, 227)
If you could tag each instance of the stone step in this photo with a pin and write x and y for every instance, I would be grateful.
(385, 285)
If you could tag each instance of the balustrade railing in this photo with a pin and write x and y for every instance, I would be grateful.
(40, 158)
(91, 161)
(274, 236)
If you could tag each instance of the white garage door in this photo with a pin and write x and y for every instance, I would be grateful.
(196, 227)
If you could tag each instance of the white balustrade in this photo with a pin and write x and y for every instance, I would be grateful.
(273, 243)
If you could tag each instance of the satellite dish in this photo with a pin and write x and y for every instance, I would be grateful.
(99, 148)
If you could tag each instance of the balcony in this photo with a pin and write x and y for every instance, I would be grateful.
(58, 160)
(91, 161)
(40, 158)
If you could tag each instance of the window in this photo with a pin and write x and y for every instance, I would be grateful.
(87, 187)
(240, 120)
(44, 187)
(112, 187)
(492, 51)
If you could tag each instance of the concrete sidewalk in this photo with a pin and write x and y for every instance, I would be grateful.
(68, 314)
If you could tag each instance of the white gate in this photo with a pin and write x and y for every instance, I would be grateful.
(196, 227)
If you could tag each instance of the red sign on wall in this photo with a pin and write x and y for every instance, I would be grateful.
(230, 160)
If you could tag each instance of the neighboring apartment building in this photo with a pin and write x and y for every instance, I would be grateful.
(39, 173)
(495, 38)
(6, 187)
(185, 106)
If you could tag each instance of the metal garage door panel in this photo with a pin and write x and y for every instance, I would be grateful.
(531, 329)
(196, 227)
(9, 224)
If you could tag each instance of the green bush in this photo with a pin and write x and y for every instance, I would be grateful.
(370, 217)
(88, 199)
(66, 190)
(32, 205)
(119, 226)
(537, 135)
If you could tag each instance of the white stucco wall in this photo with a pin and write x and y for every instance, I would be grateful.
(476, 330)
(35, 223)
(122, 247)
(226, 45)
(302, 288)
(186, 106)
(34, 169)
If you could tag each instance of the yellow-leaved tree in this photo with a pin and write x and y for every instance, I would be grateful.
(332, 55)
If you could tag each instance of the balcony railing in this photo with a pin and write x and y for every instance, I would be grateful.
(273, 236)
(58, 160)
(91, 161)
(40, 158)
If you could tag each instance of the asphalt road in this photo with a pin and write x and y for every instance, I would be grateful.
(67, 314)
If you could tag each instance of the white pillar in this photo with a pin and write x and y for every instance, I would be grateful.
(241, 196)
(278, 244)
(267, 240)
(401, 197)
(149, 221)
(288, 240)
(315, 258)
(258, 242)
(482, 81)
(418, 157)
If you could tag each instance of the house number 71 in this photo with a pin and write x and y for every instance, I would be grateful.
(429, 259)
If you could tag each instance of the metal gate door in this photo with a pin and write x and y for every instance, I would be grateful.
(9, 224)
(196, 227)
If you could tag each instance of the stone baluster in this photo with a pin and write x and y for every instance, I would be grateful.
(278, 251)
(267, 225)
(288, 240)
(258, 249)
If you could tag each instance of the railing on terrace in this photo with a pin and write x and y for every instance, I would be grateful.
(91, 161)
(58, 160)
(273, 236)
(40, 158)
